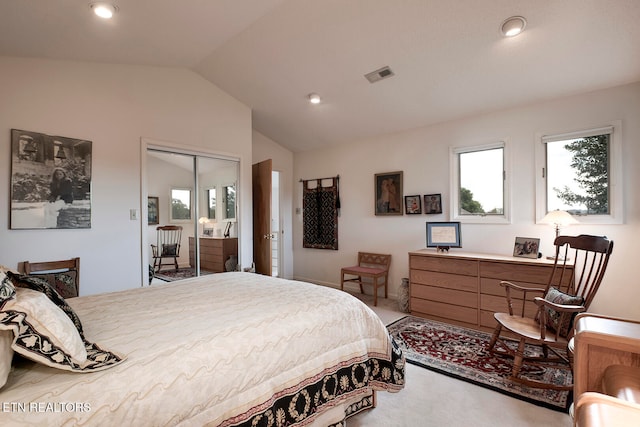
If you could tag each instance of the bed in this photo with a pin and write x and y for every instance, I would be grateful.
(230, 349)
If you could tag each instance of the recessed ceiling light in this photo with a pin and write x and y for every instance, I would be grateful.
(104, 10)
(314, 98)
(513, 26)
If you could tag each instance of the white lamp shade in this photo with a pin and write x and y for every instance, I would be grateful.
(558, 219)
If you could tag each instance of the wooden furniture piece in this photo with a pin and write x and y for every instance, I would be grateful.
(63, 276)
(214, 252)
(599, 343)
(606, 371)
(463, 288)
(583, 259)
(600, 410)
(167, 245)
(372, 267)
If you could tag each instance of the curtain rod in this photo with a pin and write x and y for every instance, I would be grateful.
(316, 179)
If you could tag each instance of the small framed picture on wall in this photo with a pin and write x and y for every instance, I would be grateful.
(433, 203)
(412, 205)
(152, 210)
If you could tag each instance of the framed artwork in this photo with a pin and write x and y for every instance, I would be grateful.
(50, 181)
(526, 247)
(412, 205)
(152, 211)
(388, 193)
(443, 235)
(433, 203)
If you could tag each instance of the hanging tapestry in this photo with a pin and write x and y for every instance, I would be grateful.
(320, 214)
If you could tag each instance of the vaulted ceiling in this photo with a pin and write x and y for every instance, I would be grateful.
(448, 57)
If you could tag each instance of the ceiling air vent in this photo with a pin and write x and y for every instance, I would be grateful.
(379, 74)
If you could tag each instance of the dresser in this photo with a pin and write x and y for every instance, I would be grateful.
(214, 252)
(464, 288)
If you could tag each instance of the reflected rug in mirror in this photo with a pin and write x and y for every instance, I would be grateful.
(462, 353)
(182, 273)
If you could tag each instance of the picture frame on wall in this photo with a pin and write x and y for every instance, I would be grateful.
(412, 205)
(50, 181)
(153, 213)
(526, 247)
(388, 193)
(433, 203)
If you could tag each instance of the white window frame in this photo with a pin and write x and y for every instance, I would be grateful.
(454, 169)
(615, 215)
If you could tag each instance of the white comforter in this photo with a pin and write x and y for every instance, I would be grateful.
(214, 350)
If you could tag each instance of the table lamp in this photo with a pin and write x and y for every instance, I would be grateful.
(203, 220)
(558, 219)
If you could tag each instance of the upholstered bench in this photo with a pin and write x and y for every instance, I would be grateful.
(372, 267)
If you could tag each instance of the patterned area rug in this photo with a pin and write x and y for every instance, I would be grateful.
(462, 353)
(182, 273)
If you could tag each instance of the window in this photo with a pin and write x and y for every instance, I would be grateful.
(479, 184)
(579, 173)
(180, 205)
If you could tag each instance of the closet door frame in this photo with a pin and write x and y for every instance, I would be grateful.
(146, 145)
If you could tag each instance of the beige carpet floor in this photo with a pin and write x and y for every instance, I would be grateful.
(432, 399)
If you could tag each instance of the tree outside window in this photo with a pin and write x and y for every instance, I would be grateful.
(578, 175)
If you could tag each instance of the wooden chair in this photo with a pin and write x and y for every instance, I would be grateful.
(167, 245)
(578, 270)
(370, 266)
(63, 276)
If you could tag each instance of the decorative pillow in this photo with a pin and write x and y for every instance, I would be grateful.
(64, 282)
(6, 355)
(28, 340)
(46, 333)
(554, 320)
(7, 290)
(38, 284)
(170, 250)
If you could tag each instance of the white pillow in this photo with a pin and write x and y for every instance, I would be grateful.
(49, 325)
(6, 355)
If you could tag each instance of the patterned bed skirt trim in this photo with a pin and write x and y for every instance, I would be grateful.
(312, 397)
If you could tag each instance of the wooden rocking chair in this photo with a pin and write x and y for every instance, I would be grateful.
(167, 246)
(579, 267)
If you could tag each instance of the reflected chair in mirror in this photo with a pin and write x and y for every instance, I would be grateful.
(370, 269)
(546, 321)
(167, 246)
(63, 276)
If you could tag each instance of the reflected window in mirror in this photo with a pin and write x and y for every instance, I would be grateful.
(211, 203)
(180, 204)
(229, 202)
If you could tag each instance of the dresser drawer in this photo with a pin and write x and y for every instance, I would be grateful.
(445, 280)
(450, 296)
(493, 287)
(447, 311)
(444, 265)
(498, 304)
(515, 272)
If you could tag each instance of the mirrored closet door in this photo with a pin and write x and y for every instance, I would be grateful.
(193, 228)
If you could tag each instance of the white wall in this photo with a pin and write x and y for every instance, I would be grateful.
(114, 106)
(423, 155)
(282, 161)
